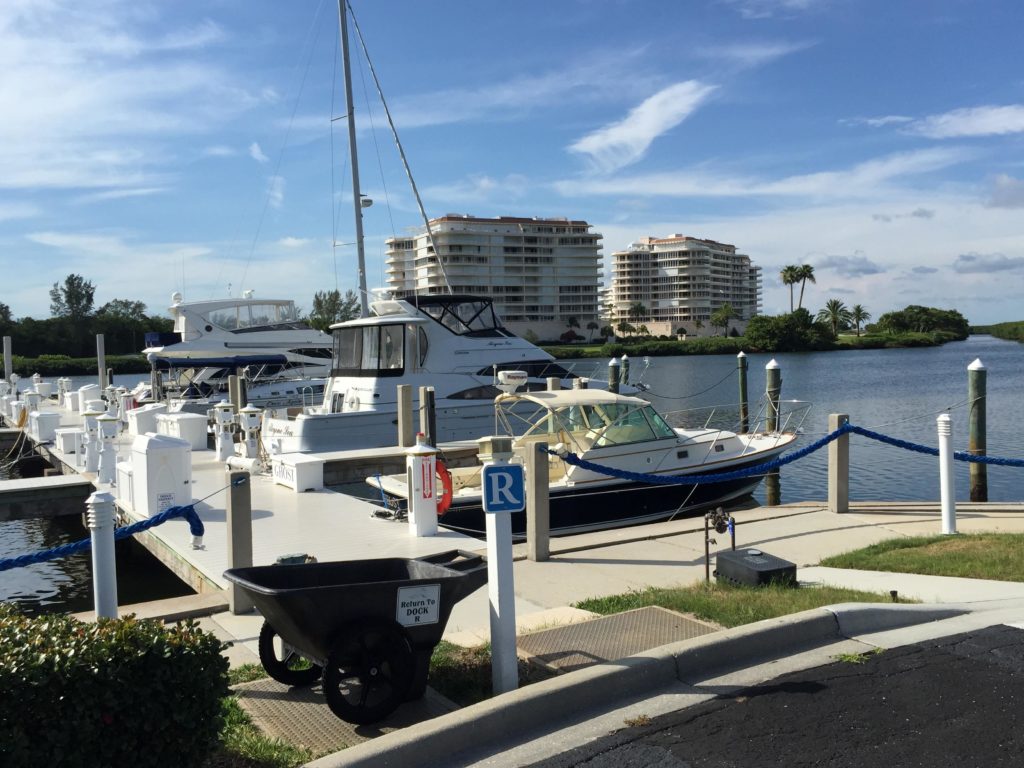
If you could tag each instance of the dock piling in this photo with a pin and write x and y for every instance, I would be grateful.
(428, 415)
(947, 485)
(239, 521)
(773, 390)
(538, 511)
(741, 365)
(976, 440)
(101, 361)
(8, 359)
(613, 375)
(838, 466)
(405, 430)
(100, 521)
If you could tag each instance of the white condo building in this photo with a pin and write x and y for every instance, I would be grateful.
(540, 272)
(682, 281)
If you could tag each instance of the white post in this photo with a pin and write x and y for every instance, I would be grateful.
(947, 486)
(613, 375)
(500, 576)
(224, 417)
(106, 432)
(101, 361)
(421, 480)
(91, 440)
(8, 358)
(100, 521)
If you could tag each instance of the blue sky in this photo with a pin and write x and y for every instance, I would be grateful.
(162, 146)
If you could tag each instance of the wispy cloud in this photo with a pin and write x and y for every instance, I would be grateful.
(766, 9)
(849, 266)
(877, 122)
(294, 242)
(917, 213)
(865, 180)
(968, 263)
(257, 154)
(1006, 192)
(220, 150)
(972, 121)
(275, 191)
(120, 194)
(10, 211)
(624, 142)
(924, 270)
(746, 55)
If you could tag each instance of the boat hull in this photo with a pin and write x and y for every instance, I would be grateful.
(614, 505)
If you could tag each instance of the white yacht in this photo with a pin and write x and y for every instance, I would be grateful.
(213, 339)
(454, 343)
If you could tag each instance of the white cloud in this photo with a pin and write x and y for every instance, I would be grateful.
(219, 150)
(766, 9)
(973, 121)
(294, 242)
(849, 266)
(987, 262)
(10, 211)
(878, 122)
(275, 191)
(751, 54)
(626, 141)
(476, 189)
(120, 194)
(1007, 192)
(257, 154)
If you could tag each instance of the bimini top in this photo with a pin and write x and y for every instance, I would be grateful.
(564, 398)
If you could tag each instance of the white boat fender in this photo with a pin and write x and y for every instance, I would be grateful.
(252, 466)
(561, 450)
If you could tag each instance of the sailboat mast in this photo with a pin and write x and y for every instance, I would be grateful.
(357, 199)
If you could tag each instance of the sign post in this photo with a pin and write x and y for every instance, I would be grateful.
(504, 492)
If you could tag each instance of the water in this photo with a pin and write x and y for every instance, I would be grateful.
(898, 392)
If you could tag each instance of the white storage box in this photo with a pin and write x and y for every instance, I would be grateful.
(43, 425)
(185, 426)
(68, 439)
(17, 407)
(44, 388)
(161, 473)
(71, 401)
(143, 419)
(299, 472)
(87, 393)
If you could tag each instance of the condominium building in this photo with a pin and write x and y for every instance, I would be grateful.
(539, 272)
(681, 281)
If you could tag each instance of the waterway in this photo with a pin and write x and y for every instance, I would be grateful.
(898, 392)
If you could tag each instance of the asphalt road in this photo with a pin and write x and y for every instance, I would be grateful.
(953, 701)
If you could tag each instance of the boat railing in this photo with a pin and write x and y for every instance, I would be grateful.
(789, 417)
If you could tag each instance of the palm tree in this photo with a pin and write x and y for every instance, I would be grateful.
(790, 275)
(637, 311)
(721, 317)
(805, 272)
(835, 314)
(859, 315)
(592, 326)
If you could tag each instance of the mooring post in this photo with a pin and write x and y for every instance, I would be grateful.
(838, 466)
(976, 440)
(741, 366)
(428, 415)
(624, 372)
(101, 361)
(538, 510)
(773, 390)
(947, 485)
(8, 359)
(554, 383)
(234, 393)
(239, 520)
(406, 434)
(99, 518)
(613, 375)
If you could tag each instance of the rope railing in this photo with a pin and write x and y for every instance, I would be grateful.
(771, 466)
(187, 511)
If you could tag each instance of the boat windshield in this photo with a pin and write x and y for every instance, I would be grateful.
(600, 425)
(465, 318)
(375, 350)
(245, 316)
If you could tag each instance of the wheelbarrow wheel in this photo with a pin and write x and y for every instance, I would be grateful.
(369, 671)
(284, 663)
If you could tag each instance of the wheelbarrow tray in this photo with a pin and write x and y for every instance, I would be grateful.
(308, 605)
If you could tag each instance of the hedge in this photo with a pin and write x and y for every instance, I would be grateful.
(118, 692)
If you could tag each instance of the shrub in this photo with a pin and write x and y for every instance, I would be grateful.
(120, 692)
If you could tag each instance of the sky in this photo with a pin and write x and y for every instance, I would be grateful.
(201, 147)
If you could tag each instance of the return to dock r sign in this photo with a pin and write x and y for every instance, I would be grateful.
(504, 488)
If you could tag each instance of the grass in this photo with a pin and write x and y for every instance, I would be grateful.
(997, 556)
(464, 674)
(243, 745)
(728, 605)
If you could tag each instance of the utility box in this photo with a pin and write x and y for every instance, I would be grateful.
(85, 394)
(161, 473)
(299, 472)
(190, 427)
(124, 488)
(143, 419)
(43, 425)
(753, 568)
(71, 401)
(68, 439)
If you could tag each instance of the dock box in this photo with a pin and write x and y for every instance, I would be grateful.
(68, 439)
(143, 419)
(190, 427)
(753, 568)
(161, 473)
(124, 488)
(43, 425)
(85, 394)
(299, 472)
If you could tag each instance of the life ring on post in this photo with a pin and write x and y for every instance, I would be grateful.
(445, 499)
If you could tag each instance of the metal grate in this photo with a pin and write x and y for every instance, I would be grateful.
(584, 643)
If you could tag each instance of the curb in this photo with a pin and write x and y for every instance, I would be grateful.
(542, 704)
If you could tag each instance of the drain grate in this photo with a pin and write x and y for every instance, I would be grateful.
(584, 643)
(301, 717)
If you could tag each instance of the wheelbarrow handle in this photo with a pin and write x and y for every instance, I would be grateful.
(470, 560)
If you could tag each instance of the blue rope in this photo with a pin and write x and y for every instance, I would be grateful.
(771, 466)
(188, 511)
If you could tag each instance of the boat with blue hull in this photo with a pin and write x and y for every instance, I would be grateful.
(618, 432)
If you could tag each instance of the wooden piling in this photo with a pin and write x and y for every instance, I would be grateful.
(838, 466)
(8, 359)
(741, 365)
(406, 438)
(239, 522)
(101, 361)
(428, 416)
(538, 511)
(976, 439)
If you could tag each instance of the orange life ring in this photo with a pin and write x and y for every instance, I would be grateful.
(445, 499)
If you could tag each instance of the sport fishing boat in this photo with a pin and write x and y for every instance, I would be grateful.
(454, 343)
(613, 431)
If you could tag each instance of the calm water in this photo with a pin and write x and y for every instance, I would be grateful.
(897, 392)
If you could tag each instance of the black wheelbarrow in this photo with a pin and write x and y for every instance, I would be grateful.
(368, 627)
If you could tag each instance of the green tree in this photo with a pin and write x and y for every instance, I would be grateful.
(74, 299)
(790, 275)
(592, 326)
(720, 317)
(331, 307)
(918, 319)
(607, 330)
(637, 312)
(123, 324)
(835, 314)
(624, 327)
(859, 315)
(794, 332)
(805, 272)
(572, 322)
